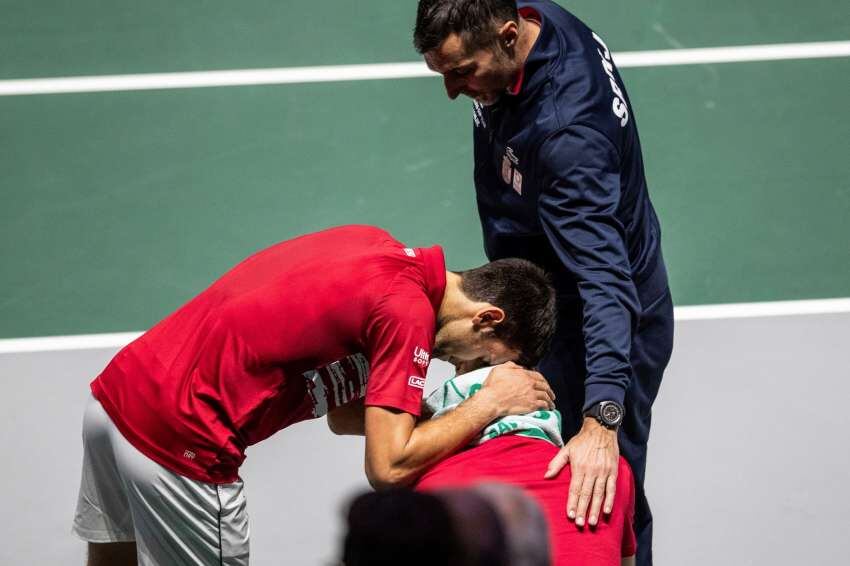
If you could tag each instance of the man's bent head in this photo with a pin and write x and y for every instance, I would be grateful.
(499, 312)
(472, 43)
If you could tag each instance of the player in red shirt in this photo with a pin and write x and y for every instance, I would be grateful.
(522, 461)
(341, 322)
(517, 450)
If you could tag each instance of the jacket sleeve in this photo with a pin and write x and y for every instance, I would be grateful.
(579, 197)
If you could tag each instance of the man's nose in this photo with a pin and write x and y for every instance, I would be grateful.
(452, 87)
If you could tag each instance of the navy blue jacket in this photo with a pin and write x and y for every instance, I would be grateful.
(560, 181)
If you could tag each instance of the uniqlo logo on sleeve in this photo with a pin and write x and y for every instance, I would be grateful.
(421, 357)
(417, 382)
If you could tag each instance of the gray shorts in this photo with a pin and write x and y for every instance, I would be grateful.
(174, 520)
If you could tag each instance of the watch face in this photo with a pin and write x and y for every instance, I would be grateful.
(611, 413)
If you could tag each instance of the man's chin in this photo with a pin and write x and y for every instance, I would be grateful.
(487, 100)
(484, 99)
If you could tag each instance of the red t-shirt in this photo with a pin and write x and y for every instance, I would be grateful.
(288, 334)
(522, 461)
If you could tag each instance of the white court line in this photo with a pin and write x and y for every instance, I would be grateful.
(332, 73)
(756, 310)
(73, 342)
(695, 312)
(735, 54)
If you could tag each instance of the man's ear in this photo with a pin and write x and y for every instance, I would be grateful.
(488, 317)
(508, 35)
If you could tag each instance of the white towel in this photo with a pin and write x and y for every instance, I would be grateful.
(545, 425)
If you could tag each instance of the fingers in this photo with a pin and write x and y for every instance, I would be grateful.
(536, 401)
(561, 459)
(593, 457)
(540, 384)
(590, 496)
(584, 498)
(610, 492)
(596, 502)
(574, 494)
(545, 388)
(544, 401)
(521, 391)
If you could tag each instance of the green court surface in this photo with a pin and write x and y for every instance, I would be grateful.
(117, 207)
(88, 37)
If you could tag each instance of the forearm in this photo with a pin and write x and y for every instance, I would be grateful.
(435, 439)
(412, 450)
(398, 451)
(609, 316)
(579, 214)
(610, 309)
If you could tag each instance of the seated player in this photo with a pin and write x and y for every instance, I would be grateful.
(517, 449)
(338, 321)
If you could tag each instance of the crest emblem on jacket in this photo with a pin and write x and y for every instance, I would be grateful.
(510, 171)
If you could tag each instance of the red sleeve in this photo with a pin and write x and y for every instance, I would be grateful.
(399, 338)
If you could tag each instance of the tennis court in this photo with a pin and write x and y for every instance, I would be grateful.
(120, 202)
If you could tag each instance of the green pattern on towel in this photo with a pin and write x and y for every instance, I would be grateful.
(545, 425)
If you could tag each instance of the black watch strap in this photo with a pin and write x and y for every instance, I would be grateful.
(609, 414)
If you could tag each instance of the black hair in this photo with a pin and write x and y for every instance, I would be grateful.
(525, 292)
(400, 526)
(475, 21)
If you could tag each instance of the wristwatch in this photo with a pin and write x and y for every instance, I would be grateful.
(608, 413)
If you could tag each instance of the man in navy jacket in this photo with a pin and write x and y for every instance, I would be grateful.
(560, 180)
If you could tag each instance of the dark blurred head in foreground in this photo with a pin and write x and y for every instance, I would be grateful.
(488, 525)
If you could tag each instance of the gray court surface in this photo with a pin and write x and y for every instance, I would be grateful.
(748, 455)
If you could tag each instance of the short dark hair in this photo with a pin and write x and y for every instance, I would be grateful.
(400, 526)
(525, 292)
(474, 20)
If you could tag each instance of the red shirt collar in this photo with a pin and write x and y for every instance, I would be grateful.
(528, 13)
(434, 264)
(517, 86)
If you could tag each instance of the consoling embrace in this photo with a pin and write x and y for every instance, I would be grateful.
(571, 323)
(559, 181)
